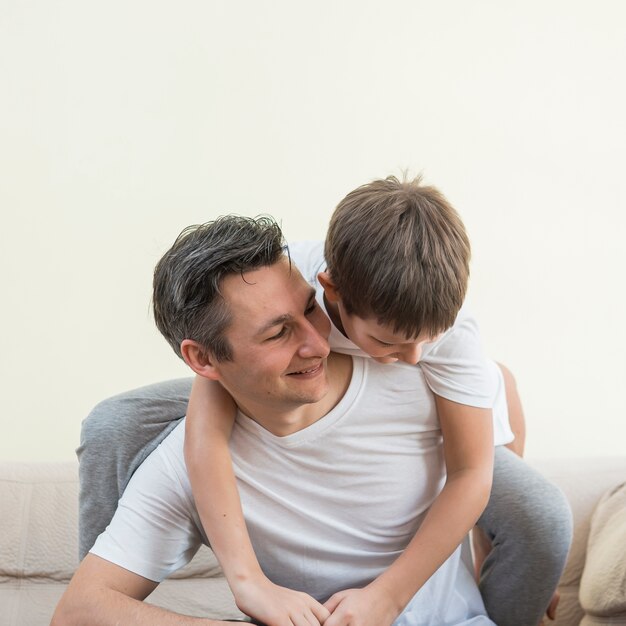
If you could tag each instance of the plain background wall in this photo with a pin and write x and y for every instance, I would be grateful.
(123, 122)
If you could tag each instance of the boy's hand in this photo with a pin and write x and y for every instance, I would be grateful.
(360, 607)
(273, 605)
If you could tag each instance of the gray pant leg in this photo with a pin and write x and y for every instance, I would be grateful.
(529, 522)
(115, 439)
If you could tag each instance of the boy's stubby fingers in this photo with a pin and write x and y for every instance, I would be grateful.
(321, 613)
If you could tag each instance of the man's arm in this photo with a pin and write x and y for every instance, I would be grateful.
(152, 534)
(104, 594)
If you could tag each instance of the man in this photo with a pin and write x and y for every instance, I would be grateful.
(231, 305)
(412, 278)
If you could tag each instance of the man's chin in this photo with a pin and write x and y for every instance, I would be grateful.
(310, 396)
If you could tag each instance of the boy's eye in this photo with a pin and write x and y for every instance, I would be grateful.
(383, 343)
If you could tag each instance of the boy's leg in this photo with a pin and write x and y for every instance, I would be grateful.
(116, 437)
(529, 523)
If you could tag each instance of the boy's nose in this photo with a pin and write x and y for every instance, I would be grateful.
(411, 354)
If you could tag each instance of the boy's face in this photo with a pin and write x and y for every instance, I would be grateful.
(380, 341)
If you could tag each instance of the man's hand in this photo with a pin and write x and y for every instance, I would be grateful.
(273, 605)
(360, 607)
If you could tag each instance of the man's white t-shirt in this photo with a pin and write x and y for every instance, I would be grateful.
(328, 508)
(454, 366)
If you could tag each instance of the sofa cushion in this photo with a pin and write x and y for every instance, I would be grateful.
(39, 551)
(36, 540)
(603, 583)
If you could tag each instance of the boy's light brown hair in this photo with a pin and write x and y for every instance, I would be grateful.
(397, 252)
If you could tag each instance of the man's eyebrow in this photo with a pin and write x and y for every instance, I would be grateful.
(277, 321)
(281, 319)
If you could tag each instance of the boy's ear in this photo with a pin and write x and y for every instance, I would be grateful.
(330, 289)
(198, 359)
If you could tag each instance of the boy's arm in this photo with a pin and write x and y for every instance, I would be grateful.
(210, 418)
(468, 450)
(103, 594)
(515, 411)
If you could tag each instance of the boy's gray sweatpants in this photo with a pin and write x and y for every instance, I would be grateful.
(527, 517)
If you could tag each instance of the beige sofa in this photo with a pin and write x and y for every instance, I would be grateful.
(38, 546)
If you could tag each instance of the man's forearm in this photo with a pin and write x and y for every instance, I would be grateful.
(113, 608)
(102, 593)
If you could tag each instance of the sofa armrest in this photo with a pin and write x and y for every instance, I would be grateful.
(584, 481)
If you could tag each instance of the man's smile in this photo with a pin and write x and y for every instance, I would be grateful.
(310, 372)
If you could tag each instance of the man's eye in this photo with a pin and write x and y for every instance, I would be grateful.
(311, 308)
(279, 334)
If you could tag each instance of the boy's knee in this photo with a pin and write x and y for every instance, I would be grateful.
(555, 522)
(542, 525)
(527, 511)
(104, 423)
(135, 418)
(108, 414)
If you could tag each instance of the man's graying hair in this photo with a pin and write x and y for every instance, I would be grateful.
(186, 289)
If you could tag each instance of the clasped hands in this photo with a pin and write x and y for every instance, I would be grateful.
(274, 605)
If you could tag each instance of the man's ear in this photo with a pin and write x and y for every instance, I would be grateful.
(199, 359)
(330, 289)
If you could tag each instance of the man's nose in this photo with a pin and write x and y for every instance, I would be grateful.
(312, 343)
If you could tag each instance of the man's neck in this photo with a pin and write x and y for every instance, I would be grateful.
(282, 422)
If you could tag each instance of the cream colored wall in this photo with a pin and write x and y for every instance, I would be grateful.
(123, 122)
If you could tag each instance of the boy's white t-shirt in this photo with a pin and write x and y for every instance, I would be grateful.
(454, 366)
(329, 507)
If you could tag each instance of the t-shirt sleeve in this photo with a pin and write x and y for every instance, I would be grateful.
(153, 532)
(308, 257)
(455, 367)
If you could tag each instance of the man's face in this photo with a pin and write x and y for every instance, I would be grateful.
(278, 336)
(380, 341)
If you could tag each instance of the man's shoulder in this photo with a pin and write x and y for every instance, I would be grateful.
(156, 528)
(169, 455)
